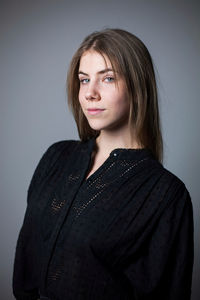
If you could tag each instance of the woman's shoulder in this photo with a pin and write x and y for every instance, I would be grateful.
(68, 145)
(163, 172)
(168, 182)
(171, 178)
(62, 145)
(54, 156)
(62, 148)
(163, 180)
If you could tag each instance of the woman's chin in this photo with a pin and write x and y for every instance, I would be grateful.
(96, 126)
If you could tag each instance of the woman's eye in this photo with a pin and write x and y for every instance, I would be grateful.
(84, 80)
(109, 79)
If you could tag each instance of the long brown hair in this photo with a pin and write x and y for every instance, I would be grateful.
(130, 57)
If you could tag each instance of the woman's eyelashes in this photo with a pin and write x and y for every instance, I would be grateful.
(109, 79)
(106, 79)
(84, 80)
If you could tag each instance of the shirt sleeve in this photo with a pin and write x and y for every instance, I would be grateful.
(163, 269)
(26, 263)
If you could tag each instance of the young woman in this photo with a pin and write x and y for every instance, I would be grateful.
(105, 220)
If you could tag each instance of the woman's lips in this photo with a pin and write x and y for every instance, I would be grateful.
(94, 111)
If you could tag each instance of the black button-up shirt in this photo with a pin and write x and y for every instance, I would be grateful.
(126, 232)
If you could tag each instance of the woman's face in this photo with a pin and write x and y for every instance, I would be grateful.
(102, 95)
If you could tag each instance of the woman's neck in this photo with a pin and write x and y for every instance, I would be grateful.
(106, 142)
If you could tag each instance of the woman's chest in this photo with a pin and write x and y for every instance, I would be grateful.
(104, 214)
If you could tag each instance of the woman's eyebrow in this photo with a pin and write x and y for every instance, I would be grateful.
(99, 72)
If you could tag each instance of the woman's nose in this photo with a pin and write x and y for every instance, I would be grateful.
(92, 92)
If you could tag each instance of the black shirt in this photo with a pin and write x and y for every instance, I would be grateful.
(126, 232)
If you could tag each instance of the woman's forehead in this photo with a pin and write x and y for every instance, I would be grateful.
(94, 59)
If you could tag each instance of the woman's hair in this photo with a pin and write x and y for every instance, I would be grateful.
(130, 57)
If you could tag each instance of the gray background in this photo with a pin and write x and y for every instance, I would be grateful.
(38, 39)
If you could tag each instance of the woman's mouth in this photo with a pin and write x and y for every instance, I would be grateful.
(94, 111)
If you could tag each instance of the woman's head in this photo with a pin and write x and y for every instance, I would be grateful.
(103, 97)
(128, 57)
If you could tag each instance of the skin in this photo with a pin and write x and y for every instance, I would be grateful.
(101, 88)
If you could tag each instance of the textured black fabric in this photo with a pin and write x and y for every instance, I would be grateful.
(126, 232)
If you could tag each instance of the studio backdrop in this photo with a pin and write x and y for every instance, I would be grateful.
(38, 39)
